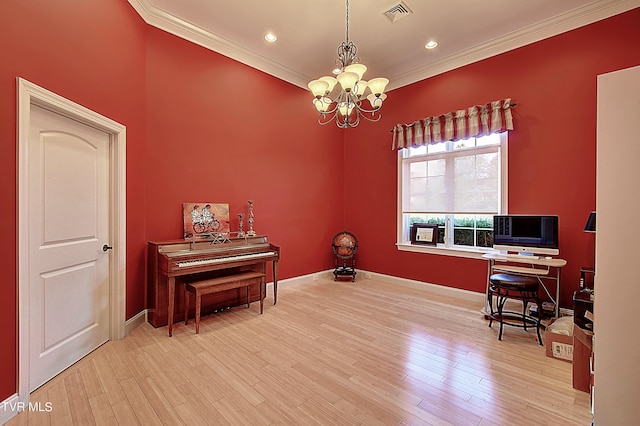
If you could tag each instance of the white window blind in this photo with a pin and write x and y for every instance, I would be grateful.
(457, 180)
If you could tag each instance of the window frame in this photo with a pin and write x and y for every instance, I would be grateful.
(403, 242)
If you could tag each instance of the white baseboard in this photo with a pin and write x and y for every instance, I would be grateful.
(388, 279)
(135, 321)
(441, 290)
(467, 295)
(302, 279)
(9, 408)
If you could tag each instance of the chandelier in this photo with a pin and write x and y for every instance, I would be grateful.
(349, 102)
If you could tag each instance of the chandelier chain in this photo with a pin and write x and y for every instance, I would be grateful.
(347, 25)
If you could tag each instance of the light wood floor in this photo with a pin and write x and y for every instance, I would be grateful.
(327, 354)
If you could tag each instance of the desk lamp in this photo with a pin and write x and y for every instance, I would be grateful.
(591, 223)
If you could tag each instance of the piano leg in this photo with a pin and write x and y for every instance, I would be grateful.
(263, 287)
(275, 282)
(171, 285)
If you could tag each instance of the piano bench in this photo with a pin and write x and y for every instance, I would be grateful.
(215, 285)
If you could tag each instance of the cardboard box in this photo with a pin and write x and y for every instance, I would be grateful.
(559, 346)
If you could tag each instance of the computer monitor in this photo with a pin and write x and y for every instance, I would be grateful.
(526, 234)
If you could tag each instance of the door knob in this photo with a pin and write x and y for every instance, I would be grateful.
(106, 247)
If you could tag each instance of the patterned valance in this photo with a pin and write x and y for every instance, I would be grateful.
(475, 121)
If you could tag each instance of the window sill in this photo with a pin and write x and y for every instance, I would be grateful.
(471, 253)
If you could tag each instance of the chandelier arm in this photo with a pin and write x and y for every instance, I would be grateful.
(343, 123)
(362, 112)
(322, 118)
(334, 109)
(366, 110)
(348, 122)
(358, 105)
(376, 116)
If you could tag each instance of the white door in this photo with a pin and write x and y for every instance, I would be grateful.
(68, 227)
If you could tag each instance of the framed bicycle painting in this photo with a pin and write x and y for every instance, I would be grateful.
(205, 220)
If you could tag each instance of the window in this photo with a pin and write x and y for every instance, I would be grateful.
(457, 185)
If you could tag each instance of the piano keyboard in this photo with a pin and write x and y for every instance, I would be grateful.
(208, 261)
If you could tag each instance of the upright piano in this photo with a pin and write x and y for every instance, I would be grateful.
(172, 263)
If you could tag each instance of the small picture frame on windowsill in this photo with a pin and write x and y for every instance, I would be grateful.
(424, 233)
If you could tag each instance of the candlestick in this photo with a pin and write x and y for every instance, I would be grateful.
(251, 232)
(241, 226)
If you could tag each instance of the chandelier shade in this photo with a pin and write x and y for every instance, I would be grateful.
(331, 81)
(356, 68)
(347, 80)
(377, 85)
(318, 87)
(347, 98)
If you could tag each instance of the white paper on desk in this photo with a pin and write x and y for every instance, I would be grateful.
(424, 234)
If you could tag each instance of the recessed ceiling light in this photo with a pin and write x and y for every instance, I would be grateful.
(270, 37)
(432, 44)
(336, 71)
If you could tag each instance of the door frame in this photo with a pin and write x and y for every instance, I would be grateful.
(30, 94)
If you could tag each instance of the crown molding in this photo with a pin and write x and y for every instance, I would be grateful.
(551, 27)
(576, 18)
(185, 30)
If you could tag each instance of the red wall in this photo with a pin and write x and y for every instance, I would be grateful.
(216, 134)
(201, 127)
(92, 53)
(551, 151)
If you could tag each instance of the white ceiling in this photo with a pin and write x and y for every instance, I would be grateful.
(309, 31)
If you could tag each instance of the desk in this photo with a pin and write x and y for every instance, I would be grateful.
(538, 267)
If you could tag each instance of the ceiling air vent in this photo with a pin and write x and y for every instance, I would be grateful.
(398, 12)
